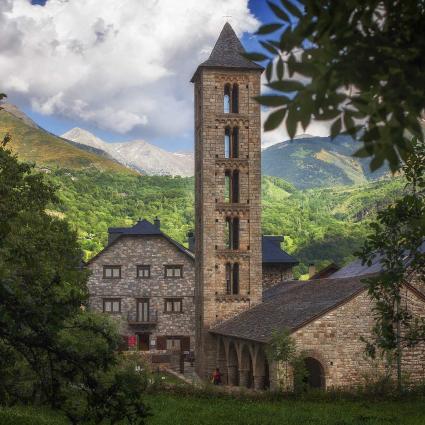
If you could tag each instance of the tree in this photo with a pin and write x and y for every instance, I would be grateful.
(357, 63)
(69, 354)
(397, 239)
(282, 350)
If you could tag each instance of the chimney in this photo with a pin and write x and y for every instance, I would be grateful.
(157, 223)
(191, 241)
(311, 270)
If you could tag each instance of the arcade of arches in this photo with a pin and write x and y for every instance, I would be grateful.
(242, 363)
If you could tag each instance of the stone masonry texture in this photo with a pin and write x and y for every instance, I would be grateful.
(156, 251)
(211, 210)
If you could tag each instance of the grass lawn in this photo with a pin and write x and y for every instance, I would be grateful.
(190, 410)
(178, 410)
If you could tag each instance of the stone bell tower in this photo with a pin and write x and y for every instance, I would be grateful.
(227, 191)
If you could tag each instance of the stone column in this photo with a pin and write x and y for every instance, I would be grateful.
(244, 378)
(232, 375)
(259, 381)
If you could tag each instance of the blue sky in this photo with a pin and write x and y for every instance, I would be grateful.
(126, 83)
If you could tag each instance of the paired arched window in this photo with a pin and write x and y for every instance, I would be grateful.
(231, 189)
(232, 278)
(232, 233)
(231, 98)
(231, 142)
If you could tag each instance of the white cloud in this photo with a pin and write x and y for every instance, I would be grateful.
(121, 65)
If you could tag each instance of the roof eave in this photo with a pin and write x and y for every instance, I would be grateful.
(232, 68)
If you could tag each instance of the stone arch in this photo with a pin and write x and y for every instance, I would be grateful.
(232, 365)
(222, 359)
(246, 371)
(261, 371)
(316, 373)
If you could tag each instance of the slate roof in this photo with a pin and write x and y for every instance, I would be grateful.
(290, 305)
(356, 268)
(273, 253)
(227, 53)
(141, 228)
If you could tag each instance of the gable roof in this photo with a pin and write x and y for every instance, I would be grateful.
(290, 305)
(273, 253)
(357, 268)
(227, 53)
(141, 228)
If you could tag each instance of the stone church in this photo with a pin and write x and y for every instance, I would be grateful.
(326, 317)
(226, 295)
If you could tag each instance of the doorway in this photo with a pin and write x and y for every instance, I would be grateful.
(316, 373)
(143, 341)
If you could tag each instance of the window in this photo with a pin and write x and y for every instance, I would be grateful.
(144, 271)
(231, 99)
(111, 272)
(231, 189)
(173, 271)
(232, 279)
(143, 310)
(231, 143)
(232, 233)
(227, 148)
(226, 106)
(173, 344)
(235, 143)
(173, 305)
(111, 305)
(235, 99)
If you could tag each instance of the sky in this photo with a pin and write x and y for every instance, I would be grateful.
(119, 68)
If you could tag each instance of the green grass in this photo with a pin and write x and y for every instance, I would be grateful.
(201, 411)
(192, 410)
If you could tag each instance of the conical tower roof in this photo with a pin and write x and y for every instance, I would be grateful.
(227, 53)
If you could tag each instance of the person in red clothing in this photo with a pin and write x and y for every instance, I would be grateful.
(216, 377)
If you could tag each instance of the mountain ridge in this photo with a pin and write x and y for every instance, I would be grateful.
(314, 161)
(138, 154)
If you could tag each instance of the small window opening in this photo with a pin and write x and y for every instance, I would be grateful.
(227, 98)
(232, 279)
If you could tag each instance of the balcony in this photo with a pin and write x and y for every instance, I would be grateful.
(135, 318)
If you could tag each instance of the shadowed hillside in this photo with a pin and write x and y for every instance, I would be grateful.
(318, 162)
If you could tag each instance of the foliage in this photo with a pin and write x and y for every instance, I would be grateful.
(359, 64)
(282, 350)
(56, 346)
(320, 225)
(396, 240)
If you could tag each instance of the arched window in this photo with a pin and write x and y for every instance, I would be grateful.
(232, 233)
(231, 186)
(227, 98)
(232, 279)
(235, 99)
(227, 145)
(235, 143)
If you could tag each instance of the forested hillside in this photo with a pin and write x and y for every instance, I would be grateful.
(311, 161)
(320, 225)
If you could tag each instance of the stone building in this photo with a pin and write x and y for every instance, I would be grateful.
(236, 314)
(146, 280)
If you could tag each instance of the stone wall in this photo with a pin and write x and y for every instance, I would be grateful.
(156, 251)
(334, 340)
(273, 274)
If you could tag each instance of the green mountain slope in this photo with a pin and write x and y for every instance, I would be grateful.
(320, 225)
(318, 162)
(33, 144)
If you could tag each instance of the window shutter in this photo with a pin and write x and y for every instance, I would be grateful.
(161, 343)
(185, 343)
